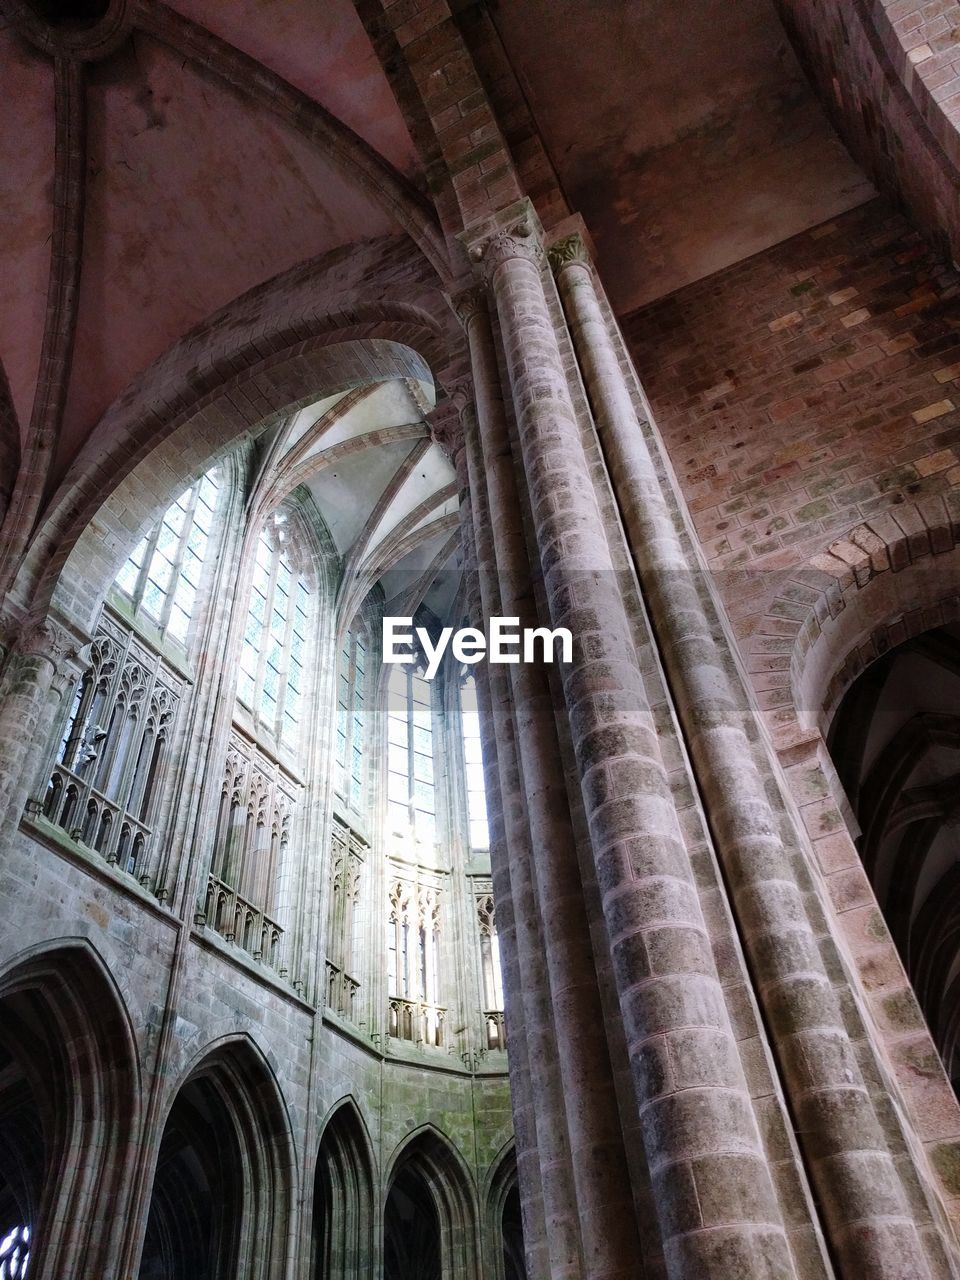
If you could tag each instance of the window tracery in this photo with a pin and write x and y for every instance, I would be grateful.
(348, 859)
(257, 802)
(413, 962)
(15, 1254)
(490, 971)
(161, 576)
(104, 787)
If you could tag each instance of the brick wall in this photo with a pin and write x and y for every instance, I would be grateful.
(804, 390)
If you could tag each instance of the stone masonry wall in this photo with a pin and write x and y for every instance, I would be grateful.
(803, 391)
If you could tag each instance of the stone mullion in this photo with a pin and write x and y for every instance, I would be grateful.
(550, 1158)
(862, 1197)
(713, 1191)
(604, 1199)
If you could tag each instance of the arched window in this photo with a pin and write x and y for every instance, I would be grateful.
(351, 718)
(411, 796)
(161, 577)
(473, 766)
(272, 655)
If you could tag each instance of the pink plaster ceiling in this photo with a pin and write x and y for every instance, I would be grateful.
(26, 214)
(684, 133)
(320, 47)
(193, 196)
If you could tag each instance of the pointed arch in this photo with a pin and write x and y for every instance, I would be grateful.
(225, 1181)
(344, 1215)
(429, 1174)
(502, 1212)
(72, 1071)
(84, 536)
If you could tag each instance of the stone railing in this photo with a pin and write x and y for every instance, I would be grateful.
(415, 1020)
(88, 816)
(241, 922)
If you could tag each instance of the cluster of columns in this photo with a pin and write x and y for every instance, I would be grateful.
(538, 546)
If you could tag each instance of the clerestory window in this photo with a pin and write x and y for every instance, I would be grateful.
(161, 576)
(272, 656)
(411, 794)
(473, 766)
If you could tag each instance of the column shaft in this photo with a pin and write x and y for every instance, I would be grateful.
(556, 1172)
(860, 1191)
(29, 700)
(716, 1206)
(601, 1176)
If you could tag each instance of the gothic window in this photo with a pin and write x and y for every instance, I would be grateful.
(413, 962)
(343, 939)
(161, 577)
(473, 766)
(351, 718)
(490, 972)
(272, 655)
(252, 832)
(104, 786)
(411, 796)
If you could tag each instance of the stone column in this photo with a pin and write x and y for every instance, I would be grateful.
(40, 667)
(601, 1177)
(535, 1237)
(552, 1148)
(715, 1201)
(869, 1221)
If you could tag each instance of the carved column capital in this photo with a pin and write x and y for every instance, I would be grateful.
(45, 639)
(53, 643)
(469, 303)
(569, 251)
(521, 241)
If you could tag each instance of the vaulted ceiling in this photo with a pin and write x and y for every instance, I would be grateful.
(210, 147)
(385, 490)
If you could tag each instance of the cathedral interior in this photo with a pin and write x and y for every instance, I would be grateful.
(629, 317)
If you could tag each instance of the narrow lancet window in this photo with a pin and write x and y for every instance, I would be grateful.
(473, 766)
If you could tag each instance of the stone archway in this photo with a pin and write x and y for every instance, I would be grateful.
(224, 1184)
(344, 1202)
(885, 582)
(504, 1220)
(430, 1219)
(70, 1109)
